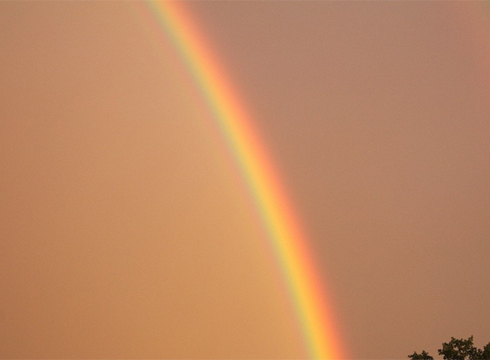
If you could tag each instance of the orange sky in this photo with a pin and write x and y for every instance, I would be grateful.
(123, 231)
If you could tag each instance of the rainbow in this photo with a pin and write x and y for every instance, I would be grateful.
(315, 317)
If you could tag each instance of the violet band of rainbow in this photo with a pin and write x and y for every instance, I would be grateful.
(304, 285)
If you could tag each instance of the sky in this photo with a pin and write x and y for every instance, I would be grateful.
(126, 230)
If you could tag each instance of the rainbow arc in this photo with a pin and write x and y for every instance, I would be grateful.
(313, 311)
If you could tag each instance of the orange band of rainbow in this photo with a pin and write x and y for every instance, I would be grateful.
(290, 246)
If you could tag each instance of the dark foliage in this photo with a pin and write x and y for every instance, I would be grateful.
(457, 349)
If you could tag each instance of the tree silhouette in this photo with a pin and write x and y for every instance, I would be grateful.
(457, 349)
(422, 356)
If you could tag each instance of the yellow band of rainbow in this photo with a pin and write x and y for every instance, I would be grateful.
(290, 245)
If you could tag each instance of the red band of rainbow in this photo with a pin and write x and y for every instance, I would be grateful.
(290, 245)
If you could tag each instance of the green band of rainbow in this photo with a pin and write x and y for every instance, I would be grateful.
(290, 246)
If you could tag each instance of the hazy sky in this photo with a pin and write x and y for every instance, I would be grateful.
(125, 232)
